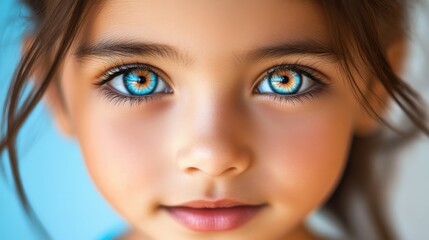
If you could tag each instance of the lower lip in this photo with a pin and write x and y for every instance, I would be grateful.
(213, 219)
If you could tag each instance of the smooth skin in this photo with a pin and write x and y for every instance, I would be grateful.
(212, 137)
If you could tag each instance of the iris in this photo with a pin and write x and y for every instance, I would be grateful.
(285, 81)
(140, 82)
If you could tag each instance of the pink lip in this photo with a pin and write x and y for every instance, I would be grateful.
(213, 216)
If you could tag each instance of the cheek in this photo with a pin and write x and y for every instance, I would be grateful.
(120, 145)
(304, 155)
(123, 156)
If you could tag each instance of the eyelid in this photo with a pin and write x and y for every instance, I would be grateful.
(319, 80)
(118, 98)
(119, 69)
(307, 71)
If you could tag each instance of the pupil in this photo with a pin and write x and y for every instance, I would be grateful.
(285, 79)
(142, 79)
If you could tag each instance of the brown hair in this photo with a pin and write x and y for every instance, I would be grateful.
(56, 24)
(369, 28)
(366, 27)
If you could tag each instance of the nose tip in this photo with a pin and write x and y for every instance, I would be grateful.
(214, 160)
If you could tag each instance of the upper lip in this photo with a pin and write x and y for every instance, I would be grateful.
(223, 203)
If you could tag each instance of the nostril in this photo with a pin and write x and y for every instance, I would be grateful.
(213, 159)
(230, 170)
(214, 167)
(191, 170)
(213, 172)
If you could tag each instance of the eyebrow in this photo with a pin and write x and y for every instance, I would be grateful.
(121, 48)
(303, 47)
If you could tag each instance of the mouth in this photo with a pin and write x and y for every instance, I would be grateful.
(213, 216)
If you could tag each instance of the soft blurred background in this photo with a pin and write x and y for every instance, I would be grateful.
(70, 207)
(52, 169)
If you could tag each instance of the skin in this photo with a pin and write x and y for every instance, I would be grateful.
(213, 137)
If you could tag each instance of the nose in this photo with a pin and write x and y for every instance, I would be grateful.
(215, 138)
(214, 158)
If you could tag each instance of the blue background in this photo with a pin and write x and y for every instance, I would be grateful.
(52, 168)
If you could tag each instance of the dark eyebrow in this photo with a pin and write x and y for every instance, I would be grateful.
(120, 48)
(310, 47)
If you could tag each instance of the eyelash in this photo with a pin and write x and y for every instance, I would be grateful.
(118, 98)
(320, 84)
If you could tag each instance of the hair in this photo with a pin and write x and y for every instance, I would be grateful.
(361, 31)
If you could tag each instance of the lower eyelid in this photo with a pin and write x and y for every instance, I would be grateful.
(120, 99)
(309, 95)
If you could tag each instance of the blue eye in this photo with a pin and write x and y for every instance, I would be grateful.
(137, 81)
(285, 81)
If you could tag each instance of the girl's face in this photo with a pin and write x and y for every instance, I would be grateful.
(215, 119)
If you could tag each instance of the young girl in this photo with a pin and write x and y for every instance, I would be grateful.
(219, 119)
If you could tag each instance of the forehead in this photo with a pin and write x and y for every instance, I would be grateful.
(215, 24)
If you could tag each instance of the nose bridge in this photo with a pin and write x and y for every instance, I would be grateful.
(214, 129)
(215, 116)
